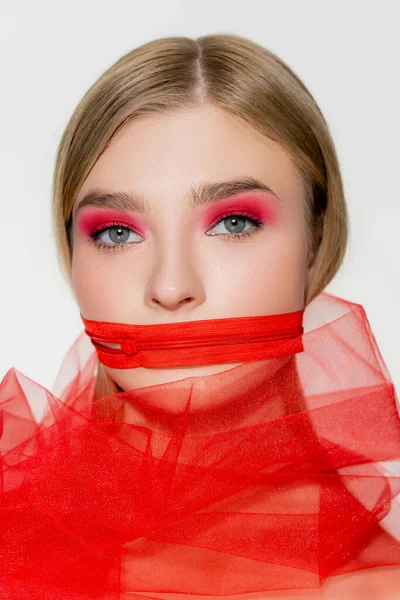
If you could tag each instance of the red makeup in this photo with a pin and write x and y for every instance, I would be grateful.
(259, 207)
(98, 218)
(262, 208)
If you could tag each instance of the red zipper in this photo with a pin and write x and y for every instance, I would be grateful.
(165, 345)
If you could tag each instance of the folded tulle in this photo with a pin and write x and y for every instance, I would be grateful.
(266, 476)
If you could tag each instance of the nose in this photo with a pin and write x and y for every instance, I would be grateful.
(174, 282)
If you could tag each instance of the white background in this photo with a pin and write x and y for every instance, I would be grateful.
(346, 52)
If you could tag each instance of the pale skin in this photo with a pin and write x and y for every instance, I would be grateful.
(179, 272)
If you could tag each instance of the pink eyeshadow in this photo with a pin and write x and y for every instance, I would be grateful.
(263, 208)
(97, 218)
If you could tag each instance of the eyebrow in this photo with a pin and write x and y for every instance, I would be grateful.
(205, 193)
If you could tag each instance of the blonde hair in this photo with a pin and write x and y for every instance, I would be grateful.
(223, 70)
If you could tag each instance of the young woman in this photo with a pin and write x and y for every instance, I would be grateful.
(217, 430)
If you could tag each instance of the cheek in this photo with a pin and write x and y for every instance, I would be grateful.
(284, 284)
(94, 285)
(270, 280)
(81, 282)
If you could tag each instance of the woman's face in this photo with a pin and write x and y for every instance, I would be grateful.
(185, 259)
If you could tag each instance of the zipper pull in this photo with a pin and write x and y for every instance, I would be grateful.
(129, 346)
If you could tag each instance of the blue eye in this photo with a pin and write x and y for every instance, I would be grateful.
(116, 230)
(119, 233)
(237, 220)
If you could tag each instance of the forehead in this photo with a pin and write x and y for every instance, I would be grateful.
(167, 155)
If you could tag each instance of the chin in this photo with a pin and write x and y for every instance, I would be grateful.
(129, 379)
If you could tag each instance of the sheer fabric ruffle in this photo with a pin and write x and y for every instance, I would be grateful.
(272, 475)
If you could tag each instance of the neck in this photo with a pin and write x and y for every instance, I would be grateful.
(247, 394)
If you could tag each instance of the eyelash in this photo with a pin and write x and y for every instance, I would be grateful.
(93, 236)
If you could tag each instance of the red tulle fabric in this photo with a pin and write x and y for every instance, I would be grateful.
(271, 475)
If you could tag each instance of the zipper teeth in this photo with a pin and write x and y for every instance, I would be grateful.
(162, 345)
